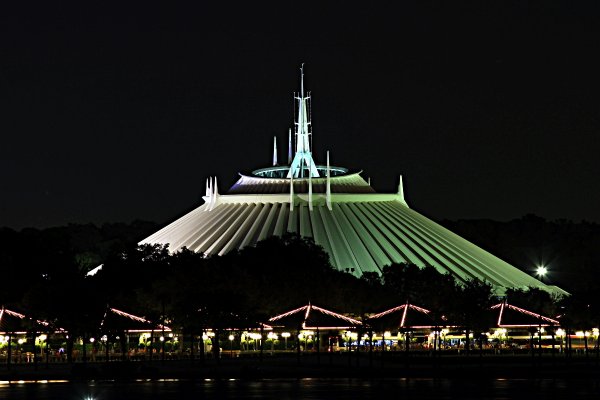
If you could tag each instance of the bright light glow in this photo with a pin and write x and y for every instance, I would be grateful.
(579, 333)
(95, 270)
(21, 341)
(205, 337)
(42, 337)
(541, 271)
(104, 338)
(92, 340)
(285, 335)
(560, 332)
(162, 338)
(387, 334)
(170, 334)
(231, 337)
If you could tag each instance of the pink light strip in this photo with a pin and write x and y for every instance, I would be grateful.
(139, 319)
(391, 310)
(312, 328)
(127, 315)
(287, 313)
(336, 315)
(501, 312)
(404, 316)
(423, 310)
(307, 313)
(14, 314)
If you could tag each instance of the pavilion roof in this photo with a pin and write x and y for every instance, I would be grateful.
(509, 316)
(117, 320)
(15, 322)
(313, 317)
(403, 316)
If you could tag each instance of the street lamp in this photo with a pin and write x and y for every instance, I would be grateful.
(285, 335)
(231, 337)
(541, 271)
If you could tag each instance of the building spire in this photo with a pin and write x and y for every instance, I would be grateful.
(290, 146)
(303, 161)
(328, 193)
(310, 192)
(401, 191)
(291, 193)
(214, 194)
(274, 150)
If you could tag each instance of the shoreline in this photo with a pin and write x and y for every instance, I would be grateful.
(473, 367)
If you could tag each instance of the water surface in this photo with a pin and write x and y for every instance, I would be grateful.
(303, 389)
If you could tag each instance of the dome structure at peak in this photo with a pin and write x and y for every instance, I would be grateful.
(360, 229)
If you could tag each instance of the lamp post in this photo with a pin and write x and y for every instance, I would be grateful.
(285, 335)
(541, 272)
(560, 333)
(231, 337)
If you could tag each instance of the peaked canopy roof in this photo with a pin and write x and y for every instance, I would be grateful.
(404, 316)
(361, 230)
(117, 320)
(313, 317)
(509, 316)
(14, 322)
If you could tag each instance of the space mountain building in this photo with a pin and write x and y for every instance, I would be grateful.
(360, 229)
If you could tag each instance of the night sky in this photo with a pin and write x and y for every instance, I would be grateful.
(115, 114)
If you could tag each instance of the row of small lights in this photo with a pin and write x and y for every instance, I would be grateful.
(348, 335)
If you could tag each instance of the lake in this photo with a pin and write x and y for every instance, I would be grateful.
(306, 388)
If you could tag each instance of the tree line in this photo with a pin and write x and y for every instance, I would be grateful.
(45, 276)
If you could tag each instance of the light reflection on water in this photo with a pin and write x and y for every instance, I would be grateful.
(307, 388)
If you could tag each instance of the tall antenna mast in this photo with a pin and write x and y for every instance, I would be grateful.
(290, 147)
(303, 158)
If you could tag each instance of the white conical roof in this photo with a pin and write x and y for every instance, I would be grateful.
(362, 233)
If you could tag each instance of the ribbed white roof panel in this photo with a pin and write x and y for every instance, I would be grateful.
(360, 236)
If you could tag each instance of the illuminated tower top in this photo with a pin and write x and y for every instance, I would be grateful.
(303, 164)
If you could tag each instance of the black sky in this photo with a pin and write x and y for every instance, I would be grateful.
(114, 114)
